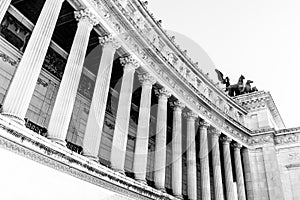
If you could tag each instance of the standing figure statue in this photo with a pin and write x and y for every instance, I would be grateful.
(225, 81)
(247, 88)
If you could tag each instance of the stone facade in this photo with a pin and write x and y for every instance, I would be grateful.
(108, 97)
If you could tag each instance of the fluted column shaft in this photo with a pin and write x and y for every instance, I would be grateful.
(142, 136)
(62, 110)
(160, 140)
(216, 163)
(239, 172)
(191, 157)
(177, 149)
(22, 86)
(228, 168)
(204, 162)
(93, 132)
(118, 149)
(4, 4)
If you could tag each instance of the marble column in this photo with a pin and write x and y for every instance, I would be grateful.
(177, 148)
(142, 136)
(216, 164)
(204, 162)
(63, 107)
(228, 168)
(4, 4)
(18, 97)
(93, 132)
(191, 156)
(239, 172)
(161, 139)
(118, 149)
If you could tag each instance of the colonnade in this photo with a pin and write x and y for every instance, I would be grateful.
(21, 90)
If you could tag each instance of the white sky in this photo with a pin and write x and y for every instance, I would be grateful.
(259, 39)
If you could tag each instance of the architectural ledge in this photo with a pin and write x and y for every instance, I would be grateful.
(24, 142)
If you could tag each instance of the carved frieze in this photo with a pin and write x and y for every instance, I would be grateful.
(288, 138)
(8, 59)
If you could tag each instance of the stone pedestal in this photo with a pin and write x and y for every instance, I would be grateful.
(118, 149)
(142, 136)
(161, 139)
(22, 86)
(204, 162)
(228, 168)
(93, 132)
(177, 148)
(63, 107)
(216, 164)
(4, 4)
(239, 172)
(191, 156)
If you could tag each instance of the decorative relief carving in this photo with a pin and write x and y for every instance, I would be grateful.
(42, 82)
(162, 92)
(54, 63)
(190, 115)
(286, 139)
(8, 59)
(177, 105)
(261, 139)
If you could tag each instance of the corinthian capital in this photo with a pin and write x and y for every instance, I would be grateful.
(162, 93)
(86, 15)
(190, 115)
(203, 124)
(146, 79)
(236, 146)
(177, 105)
(129, 63)
(226, 140)
(109, 40)
(215, 132)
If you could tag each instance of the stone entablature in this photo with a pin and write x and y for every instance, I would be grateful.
(281, 137)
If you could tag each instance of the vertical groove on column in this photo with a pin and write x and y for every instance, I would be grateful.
(62, 110)
(191, 157)
(142, 136)
(4, 4)
(218, 186)
(239, 172)
(204, 162)
(93, 132)
(228, 168)
(22, 87)
(160, 140)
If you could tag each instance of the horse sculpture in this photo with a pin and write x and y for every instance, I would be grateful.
(236, 89)
(247, 88)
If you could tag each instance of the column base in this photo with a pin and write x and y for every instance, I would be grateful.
(144, 182)
(93, 158)
(14, 118)
(121, 171)
(162, 189)
(58, 141)
(179, 197)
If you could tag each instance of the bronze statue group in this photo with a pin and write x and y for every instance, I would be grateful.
(238, 88)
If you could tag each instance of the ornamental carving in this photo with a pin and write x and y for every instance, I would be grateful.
(54, 63)
(261, 139)
(162, 92)
(190, 115)
(177, 105)
(86, 14)
(286, 139)
(8, 59)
